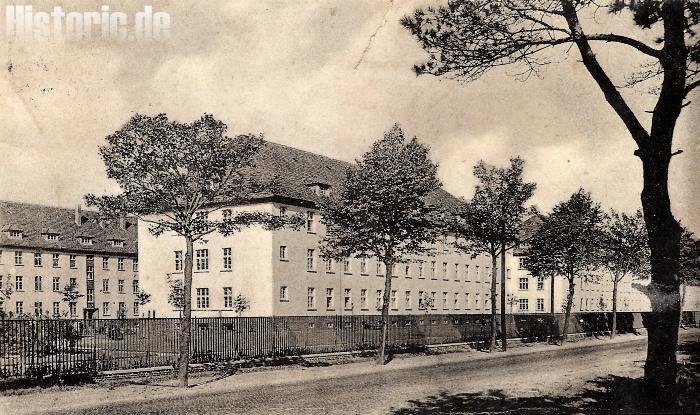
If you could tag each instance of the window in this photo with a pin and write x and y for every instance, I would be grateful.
(56, 286)
(135, 265)
(105, 263)
(310, 226)
(432, 300)
(476, 301)
(72, 309)
(379, 268)
(310, 260)
(363, 266)
(523, 285)
(407, 300)
(71, 261)
(420, 270)
(56, 308)
(105, 285)
(311, 298)
(202, 297)
(432, 269)
(136, 308)
(19, 307)
(392, 300)
(467, 306)
(120, 264)
(407, 271)
(347, 299)
(283, 210)
(284, 293)
(522, 263)
(37, 283)
(54, 260)
(227, 259)
(202, 215)
(178, 260)
(121, 309)
(38, 308)
(328, 264)
(540, 283)
(378, 306)
(283, 253)
(0, 256)
(135, 286)
(18, 257)
(73, 282)
(19, 283)
(202, 256)
(421, 300)
(444, 300)
(466, 272)
(90, 294)
(330, 302)
(120, 286)
(86, 240)
(540, 304)
(37, 259)
(228, 297)
(444, 270)
(105, 308)
(363, 299)
(346, 265)
(456, 272)
(226, 214)
(117, 242)
(456, 301)
(522, 304)
(15, 234)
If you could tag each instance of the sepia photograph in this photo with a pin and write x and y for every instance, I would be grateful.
(392, 207)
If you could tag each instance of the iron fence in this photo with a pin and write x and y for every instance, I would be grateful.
(34, 348)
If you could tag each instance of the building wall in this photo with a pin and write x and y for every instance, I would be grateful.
(250, 274)
(32, 291)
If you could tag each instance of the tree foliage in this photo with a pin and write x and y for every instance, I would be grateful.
(624, 247)
(690, 259)
(382, 210)
(567, 244)
(70, 293)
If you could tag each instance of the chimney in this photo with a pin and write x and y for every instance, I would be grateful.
(122, 223)
(78, 216)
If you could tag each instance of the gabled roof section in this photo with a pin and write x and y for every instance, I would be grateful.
(527, 230)
(35, 221)
(290, 173)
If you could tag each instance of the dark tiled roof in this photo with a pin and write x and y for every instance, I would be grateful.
(527, 229)
(290, 173)
(36, 220)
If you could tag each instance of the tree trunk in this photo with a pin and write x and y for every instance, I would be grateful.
(613, 330)
(569, 303)
(494, 275)
(186, 320)
(662, 323)
(504, 331)
(381, 356)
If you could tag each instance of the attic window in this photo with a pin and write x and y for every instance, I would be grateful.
(15, 234)
(320, 189)
(117, 242)
(51, 236)
(86, 240)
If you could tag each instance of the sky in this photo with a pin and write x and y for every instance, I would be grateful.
(328, 77)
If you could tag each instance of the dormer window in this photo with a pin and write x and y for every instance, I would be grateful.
(320, 189)
(15, 234)
(86, 240)
(51, 237)
(117, 242)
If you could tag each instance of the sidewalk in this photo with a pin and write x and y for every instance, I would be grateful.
(94, 395)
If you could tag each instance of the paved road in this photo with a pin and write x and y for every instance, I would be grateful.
(556, 372)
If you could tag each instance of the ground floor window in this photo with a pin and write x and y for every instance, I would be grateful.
(202, 297)
(523, 304)
(540, 304)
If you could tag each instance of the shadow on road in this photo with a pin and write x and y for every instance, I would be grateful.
(604, 395)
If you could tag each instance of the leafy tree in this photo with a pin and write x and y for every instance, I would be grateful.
(176, 293)
(70, 293)
(5, 294)
(381, 210)
(490, 224)
(624, 251)
(466, 39)
(143, 297)
(566, 245)
(690, 259)
(173, 176)
(241, 304)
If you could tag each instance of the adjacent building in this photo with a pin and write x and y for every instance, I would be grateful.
(46, 250)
